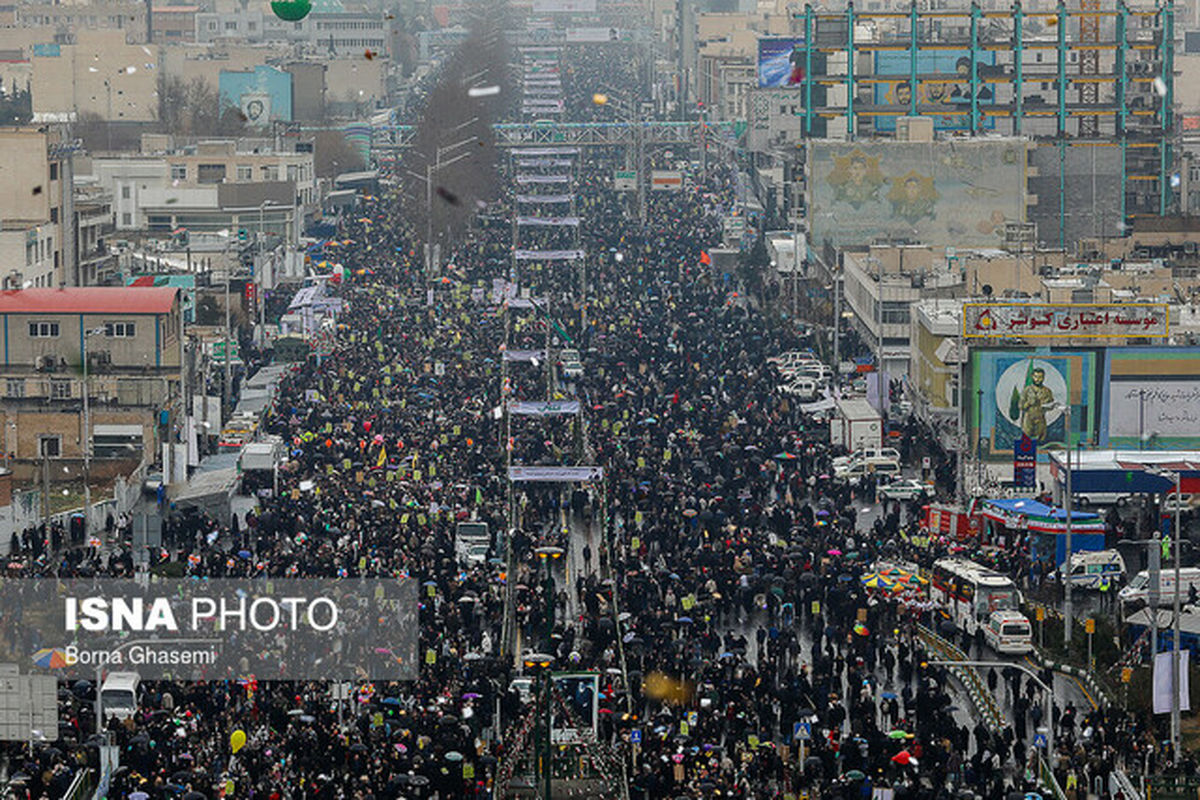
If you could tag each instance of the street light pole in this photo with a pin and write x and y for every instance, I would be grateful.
(1177, 545)
(87, 429)
(1068, 611)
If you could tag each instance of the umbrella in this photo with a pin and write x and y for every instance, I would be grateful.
(905, 758)
(390, 701)
(684, 620)
(861, 629)
(834, 552)
(471, 696)
(785, 456)
(855, 775)
(888, 695)
(296, 712)
(50, 658)
(898, 734)
(454, 755)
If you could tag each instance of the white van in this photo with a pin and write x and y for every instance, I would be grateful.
(119, 695)
(889, 453)
(868, 466)
(802, 388)
(1090, 568)
(1138, 590)
(1008, 632)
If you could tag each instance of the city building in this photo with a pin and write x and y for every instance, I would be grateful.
(131, 339)
(33, 169)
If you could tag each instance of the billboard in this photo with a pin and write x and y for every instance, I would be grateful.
(780, 63)
(943, 89)
(1153, 398)
(948, 193)
(1064, 320)
(1022, 392)
(574, 708)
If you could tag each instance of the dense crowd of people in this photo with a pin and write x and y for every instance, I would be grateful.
(717, 596)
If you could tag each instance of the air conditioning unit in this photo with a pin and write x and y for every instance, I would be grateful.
(46, 364)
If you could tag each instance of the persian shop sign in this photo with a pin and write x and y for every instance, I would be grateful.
(1065, 320)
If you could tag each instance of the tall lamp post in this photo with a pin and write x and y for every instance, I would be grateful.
(1068, 610)
(431, 169)
(87, 430)
(548, 555)
(1176, 546)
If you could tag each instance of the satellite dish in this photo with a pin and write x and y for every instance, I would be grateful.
(986, 289)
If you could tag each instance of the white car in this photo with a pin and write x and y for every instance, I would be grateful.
(572, 369)
(905, 489)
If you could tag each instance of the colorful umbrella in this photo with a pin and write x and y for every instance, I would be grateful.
(861, 629)
(49, 658)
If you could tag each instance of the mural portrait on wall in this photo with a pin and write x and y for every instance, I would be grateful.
(856, 178)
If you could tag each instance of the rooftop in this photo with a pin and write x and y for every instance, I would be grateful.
(91, 300)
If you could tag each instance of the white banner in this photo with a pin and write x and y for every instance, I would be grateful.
(547, 408)
(549, 255)
(545, 162)
(1163, 409)
(546, 151)
(1162, 682)
(564, 6)
(544, 198)
(524, 355)
(554, 474)
(543, 179)
(549, 222)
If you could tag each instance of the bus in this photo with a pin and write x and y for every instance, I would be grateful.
(970, 592)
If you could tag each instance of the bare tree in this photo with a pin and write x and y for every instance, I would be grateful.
(194, 108)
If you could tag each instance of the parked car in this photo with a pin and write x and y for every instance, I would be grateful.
(905, 489)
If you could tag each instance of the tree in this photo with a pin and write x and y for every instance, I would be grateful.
(194, 108)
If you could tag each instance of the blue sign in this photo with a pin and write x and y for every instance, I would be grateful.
(802, 730)
(635, 736)
(1025, 463)
(1039, 740)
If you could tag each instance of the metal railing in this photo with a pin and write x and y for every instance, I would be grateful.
(82, 786)
(1047, 779)
(981, 696)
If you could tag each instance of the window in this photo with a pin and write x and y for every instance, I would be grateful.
(127, 219)
(179, 172)
(212, 24)
(251, 26)
(49, 446)
(15, 387)
(269, 173)
(43, 330)
(231, 25)
(210, 173)
(60, 388)
(126, 192)
(119, 330)
(53, 170)
(54, 214)
(245, 172)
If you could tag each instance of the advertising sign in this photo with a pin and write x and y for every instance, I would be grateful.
(943, 90)
(1016, 393)
(1025, 463)
(574, 708)
(780, 63)
(1153, 398)
(1064, 320)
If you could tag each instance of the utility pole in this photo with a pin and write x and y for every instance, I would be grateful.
(1068, 611)
(87, 433)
